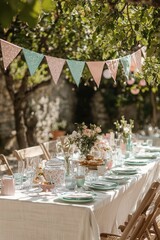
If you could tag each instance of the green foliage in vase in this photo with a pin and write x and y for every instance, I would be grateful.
(124, 127)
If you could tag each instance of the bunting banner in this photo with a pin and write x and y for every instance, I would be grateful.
(113, 67)
(133, 66)
(138, 59)
(55, 66)
(33, 60)
(96, 69)
(126, 62)
(130, 63)
(76, 68)
(9, 52)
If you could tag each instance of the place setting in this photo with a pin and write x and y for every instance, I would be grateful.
(136, 162)
(125, 170)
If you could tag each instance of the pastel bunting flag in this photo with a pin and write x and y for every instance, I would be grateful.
(133, 66)
(9, 52)
(33, 60)
(56, 66)
(76, 68)
(138, 59)
(96, 69)
(126, 62)
(143, 49)
(113, 67)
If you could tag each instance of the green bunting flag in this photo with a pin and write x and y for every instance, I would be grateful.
(126, 62)
(33, 60)
(76, 68)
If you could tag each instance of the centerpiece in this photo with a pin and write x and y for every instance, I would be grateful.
(85, 137)
(124, 129)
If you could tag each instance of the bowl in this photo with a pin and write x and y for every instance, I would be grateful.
(47, 186)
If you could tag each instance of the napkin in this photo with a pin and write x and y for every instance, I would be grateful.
(78, 196)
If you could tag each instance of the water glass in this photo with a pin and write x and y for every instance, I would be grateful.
(80, 175)
(92, 176)
(18, 178)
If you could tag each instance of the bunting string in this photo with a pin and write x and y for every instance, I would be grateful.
(130, 63)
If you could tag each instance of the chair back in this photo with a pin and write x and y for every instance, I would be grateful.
(4, 165)
(29, 152)
(49, 148)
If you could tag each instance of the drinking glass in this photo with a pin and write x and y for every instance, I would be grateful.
(18, 176)
(80, 175)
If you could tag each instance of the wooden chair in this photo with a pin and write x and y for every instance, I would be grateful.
(150, 227)
(4, 165)
(49, 148)
(29, 153)
(140, 222)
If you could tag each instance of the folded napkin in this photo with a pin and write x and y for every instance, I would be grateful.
(146, 156)
(78, 196)
(153, 149)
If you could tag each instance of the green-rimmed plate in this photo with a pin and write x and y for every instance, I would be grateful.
(116, 179)
(146, 156)
(76, 197)
(125, 171)
(153, 149)
(136, 162)
(103, 186)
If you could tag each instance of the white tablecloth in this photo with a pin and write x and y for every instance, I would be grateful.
(43, 217)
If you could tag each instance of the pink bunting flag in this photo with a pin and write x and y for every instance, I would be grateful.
(113, 67)
(56, 66)
(138, 59)
(9, 52)
(96, 69)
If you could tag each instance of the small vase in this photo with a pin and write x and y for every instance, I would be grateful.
(127, 146)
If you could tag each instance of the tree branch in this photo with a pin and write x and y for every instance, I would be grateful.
(35, 87)
(129, 20)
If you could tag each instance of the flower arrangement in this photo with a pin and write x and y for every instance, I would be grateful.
(124, 127)
(85, 137)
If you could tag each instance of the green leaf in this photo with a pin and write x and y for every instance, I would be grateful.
(31, 13)
(6, 14)
(48, 5)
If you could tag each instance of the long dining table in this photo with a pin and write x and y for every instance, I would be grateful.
(43, 216)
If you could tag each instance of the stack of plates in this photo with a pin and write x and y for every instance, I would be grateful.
(153, 149)
(136, 162)
(76, 197)
(146, 156)
(125, 171)
(103, 185)
(116, 179)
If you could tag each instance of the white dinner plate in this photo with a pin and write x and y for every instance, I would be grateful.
(125, 171)
(76, 197)
(146, 156)
(103, 185)
(116, 179)
(136, 162)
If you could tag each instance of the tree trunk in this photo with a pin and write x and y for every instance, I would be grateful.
(19, 123)
(18, 99)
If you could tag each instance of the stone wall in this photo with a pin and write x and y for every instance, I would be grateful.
(45, 107)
